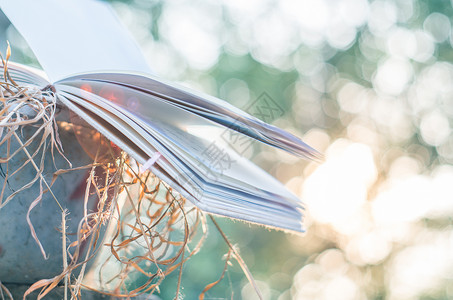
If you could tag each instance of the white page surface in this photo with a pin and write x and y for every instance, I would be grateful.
(75, 36)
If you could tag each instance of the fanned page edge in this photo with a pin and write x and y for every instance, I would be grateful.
(162, 137)
(216, 206)
(37, 77)
(274, 136)
(112, 107)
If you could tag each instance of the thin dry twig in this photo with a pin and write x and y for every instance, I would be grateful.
(239, 259)
(4, 289)
(65, 257)
(213, 284)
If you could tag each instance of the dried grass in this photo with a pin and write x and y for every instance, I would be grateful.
(151, 230)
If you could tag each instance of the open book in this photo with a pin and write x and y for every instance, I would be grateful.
(97, 71)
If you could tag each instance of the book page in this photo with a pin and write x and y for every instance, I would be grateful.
(75, 36)
(241, 191)
(170, 124)
(208, 107)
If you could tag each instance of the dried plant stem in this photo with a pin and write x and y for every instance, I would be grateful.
(7, 292)
(239, 259)
(78, 283)
(150, 247)
(178, 287)
(211, 285)
(37, 170)
(65, 256)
